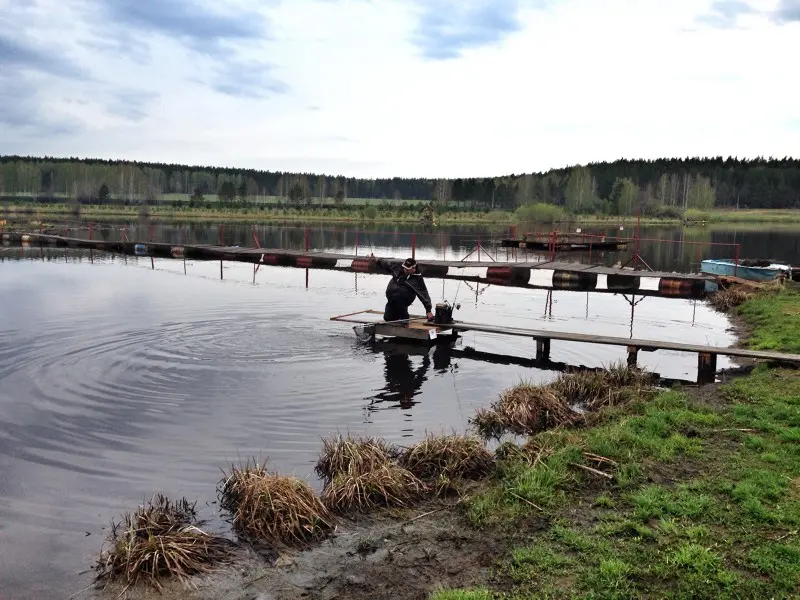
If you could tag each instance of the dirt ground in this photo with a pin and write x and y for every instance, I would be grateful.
(400, 555)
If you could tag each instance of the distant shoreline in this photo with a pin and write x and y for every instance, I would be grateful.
(359, 215)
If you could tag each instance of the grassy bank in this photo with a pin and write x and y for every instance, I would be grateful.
(383, 214)
(702, 499)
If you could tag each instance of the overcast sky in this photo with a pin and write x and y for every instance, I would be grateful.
(399, 87)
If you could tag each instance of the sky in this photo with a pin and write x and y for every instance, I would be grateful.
(406, 88)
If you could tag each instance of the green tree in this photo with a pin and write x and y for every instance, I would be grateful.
(339, 198)
(580, 191)
(623, 196)
(197, 196)
(103, 194)
(296, 193)
(227, 192)
(241, 191)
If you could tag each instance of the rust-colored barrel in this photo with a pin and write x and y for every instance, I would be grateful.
(681, 288)
(361, 265)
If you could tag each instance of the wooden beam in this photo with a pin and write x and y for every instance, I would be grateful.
(542, 349)
(706, 367)
(633, 356)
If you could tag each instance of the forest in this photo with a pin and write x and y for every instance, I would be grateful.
(663, 187)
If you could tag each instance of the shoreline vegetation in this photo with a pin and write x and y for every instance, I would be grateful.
(383, 213)
(611, 488)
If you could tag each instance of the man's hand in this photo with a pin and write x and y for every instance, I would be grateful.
(430, 316)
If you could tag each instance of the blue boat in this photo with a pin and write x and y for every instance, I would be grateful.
(752, 270)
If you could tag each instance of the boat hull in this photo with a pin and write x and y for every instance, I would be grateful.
(728, 268)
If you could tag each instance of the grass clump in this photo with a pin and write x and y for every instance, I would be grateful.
(448, 456)
(158, 540)
(725, 300)
(354, 456)
(593, 390)
(387, 485)
(524, 409)
(281, 509)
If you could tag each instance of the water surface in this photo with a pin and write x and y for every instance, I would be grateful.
(118, 379)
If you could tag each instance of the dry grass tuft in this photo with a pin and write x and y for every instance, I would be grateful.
(725, 300)
(593, 390)
(449, 457)
(387, 485)
(523, 410)
(284, 510)
(354, 456)
(159, 540)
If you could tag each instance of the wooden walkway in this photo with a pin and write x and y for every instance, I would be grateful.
(564, 245)
(706, 355)
(548, 275)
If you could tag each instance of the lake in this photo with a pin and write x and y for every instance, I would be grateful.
(118, 379)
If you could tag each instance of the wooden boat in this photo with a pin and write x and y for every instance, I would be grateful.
(752, 270)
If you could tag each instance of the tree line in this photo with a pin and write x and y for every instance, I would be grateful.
(657, 187)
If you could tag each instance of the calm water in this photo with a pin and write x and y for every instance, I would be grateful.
(118, 380)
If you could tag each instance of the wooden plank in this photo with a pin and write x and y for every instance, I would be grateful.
(647, 345)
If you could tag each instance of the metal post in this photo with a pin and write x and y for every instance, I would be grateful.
(413, 245)
(736, 263)
(638, 224)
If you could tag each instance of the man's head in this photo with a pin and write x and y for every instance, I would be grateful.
(410, 266)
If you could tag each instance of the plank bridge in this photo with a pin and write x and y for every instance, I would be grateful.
(419, 329)
(547, 275)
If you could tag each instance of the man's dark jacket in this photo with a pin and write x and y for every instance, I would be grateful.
(404, 289)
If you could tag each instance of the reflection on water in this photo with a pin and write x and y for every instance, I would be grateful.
(119, 378)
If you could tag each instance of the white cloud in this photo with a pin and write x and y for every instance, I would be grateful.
(350, 87)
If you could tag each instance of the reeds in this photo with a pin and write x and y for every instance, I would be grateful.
(525, 409)
(386, 485)
(528, 409)
(592, 390)
(159, 540)
(284, 510)
(448, 457)
(725, 300)
(349, 455)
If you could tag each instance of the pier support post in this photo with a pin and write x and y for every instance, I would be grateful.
(633, 356)
(706, 367)
(542, 349)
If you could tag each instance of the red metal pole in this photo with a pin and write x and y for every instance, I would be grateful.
(638, 223)
(255, 238)
(736, 263)
(413, 245)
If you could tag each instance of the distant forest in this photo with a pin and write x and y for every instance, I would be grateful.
(658, 187)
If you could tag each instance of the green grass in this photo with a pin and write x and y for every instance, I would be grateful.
(705, 500)
(775, 321)
(461, 595)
